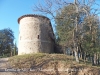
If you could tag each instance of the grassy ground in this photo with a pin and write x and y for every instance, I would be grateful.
(50, 61)
(45, 60)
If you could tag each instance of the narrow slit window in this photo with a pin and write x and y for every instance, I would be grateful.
(38, 36)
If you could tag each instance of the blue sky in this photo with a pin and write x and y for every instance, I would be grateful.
(11, 10)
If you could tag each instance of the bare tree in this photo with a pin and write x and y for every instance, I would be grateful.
(50, 7)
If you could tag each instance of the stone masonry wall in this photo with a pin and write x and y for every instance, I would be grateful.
(34, 35)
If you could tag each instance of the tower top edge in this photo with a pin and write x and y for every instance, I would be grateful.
(31, 15)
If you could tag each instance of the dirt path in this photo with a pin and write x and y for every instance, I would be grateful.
(4, 63)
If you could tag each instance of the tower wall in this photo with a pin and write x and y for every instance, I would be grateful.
(34, 35)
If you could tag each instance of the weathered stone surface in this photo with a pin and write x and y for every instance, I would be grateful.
(34, 35)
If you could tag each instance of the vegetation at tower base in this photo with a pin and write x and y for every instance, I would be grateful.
(6, 43)
(77, 26)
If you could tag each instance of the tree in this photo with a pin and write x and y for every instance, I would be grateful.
(6, 41)
(90, 35)
(15, 52)
(65, 25)
(81, 9)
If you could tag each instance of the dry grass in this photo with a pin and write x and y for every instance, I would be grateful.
(51, 61)
(44, 61)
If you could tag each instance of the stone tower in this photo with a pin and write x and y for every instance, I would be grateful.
(35, 35)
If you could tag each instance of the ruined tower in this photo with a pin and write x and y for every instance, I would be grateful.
(35, 35)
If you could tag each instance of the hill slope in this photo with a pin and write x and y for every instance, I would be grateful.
(52, 64)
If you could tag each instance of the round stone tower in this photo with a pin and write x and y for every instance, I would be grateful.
(35, 35)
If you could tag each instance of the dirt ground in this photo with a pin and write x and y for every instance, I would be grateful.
(3, 62)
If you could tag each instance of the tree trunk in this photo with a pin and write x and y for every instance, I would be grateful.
(81, 55)
(95, 59)
(76, 55)
(89, 58)
(92, 60)
(84, 56)
(81, 52)
(11, 53)
(75, 35)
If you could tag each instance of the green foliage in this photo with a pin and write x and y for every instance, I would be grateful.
(15, 51)
(83, 31)
(6, 42)
(65, 25)
(91, 32)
